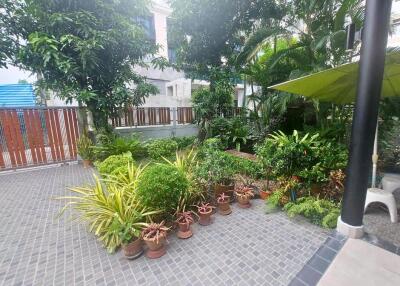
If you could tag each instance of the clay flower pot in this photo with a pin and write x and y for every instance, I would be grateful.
(205, 217)
(133, 249)
(184, 221)
(243, 197)
(86, 163)
(156, 248)
(265, 194)
(223, 205)
(244, 202)
(184, 230)
(155, 236)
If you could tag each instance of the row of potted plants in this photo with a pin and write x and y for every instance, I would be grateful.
(154, 235)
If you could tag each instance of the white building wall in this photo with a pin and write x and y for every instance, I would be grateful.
(394, 37)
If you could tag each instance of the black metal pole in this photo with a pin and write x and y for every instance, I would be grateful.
(372, 62)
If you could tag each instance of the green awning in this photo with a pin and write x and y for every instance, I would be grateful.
(339, 84)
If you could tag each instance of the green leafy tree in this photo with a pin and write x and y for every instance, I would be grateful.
(319, 44)
(83, 50)
(210, 103)
(208, 33)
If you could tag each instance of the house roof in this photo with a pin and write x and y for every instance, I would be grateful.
(17, 95)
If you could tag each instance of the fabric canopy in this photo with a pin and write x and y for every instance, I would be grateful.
(339, 84)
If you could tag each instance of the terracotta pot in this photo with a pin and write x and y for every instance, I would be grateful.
(265, 194)
(86, 163)
(224, 208)
(184, 230)
(133, 249)
(205, 218)
(244, 202)
(316, 189)
(227, 190)
(296, 178)
(156, 249)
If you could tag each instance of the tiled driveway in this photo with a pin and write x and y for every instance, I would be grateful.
(36, 248)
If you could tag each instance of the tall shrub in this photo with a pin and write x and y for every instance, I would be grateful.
(161, 186)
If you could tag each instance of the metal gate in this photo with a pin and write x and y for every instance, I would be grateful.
(37, 136)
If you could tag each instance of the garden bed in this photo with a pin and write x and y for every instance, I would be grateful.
(242, 155)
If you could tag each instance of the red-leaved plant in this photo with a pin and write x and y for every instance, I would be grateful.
(205, 208)
(185, 217)
(222, 198)
(155, 231)
(245, 192)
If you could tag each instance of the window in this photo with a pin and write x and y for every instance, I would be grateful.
(147, 22)
(170, 91)
(171, 44)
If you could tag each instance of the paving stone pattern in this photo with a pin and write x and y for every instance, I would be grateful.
(315, 268)
(247, 247)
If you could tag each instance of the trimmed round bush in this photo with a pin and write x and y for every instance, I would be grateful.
(160, 187)
(115, 164)
(162, 148)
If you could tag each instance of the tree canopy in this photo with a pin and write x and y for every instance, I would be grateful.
(83, 50)
(210, 32)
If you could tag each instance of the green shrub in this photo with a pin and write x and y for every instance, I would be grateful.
(220, 128)
(321, 212)
(330, 220)
(211, 144)
(185, 142)
(216, 167)
(275, 198)
(161, 148)
(288, 155)
(161, 186)
(118, 146)
(247, 167)
(115, 164)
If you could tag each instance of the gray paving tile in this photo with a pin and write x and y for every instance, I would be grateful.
(247, 247)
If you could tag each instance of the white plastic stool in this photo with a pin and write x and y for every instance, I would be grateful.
(390, 183)
(385, 197)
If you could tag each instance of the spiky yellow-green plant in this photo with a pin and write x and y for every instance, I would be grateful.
(127, 179)
(185, 162)
(102, 206)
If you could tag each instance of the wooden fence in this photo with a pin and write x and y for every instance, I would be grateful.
(37, 136)
(153, 116)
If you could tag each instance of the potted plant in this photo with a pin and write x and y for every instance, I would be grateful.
(85, 150)
(185, 219)
(289, 155)
(155, 236)
(243, 196)
(223, 204)
(127, 228)
(205, 212)
(217, 170)
(265, 192)
(129, 235)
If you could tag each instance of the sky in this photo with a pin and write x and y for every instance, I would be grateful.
(13, 75)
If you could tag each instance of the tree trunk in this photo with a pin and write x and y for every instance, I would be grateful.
(100, 118)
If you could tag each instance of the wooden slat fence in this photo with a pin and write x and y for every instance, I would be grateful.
(152, 116)
(37, 136)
